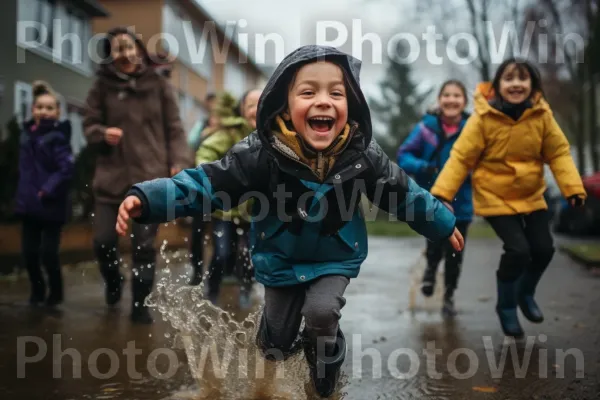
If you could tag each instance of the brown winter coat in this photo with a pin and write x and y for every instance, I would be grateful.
(153, 140)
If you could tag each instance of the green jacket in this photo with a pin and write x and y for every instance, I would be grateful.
(215, 146)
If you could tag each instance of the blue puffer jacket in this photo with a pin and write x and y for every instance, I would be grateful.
(303, 226)
(418, 152)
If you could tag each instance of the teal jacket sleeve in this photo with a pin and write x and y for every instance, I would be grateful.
(219, 185)
(394, 192)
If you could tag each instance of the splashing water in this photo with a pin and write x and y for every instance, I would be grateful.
(222, 353)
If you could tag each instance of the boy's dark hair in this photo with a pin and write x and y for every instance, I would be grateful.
(454, 82)
(522, 66)
(290, 76)
(41, 88)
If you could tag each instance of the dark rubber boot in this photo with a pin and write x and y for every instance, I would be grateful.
(325, 371)
(55, 279)
(428, 284)
(139, 312)
(527, 284)
(448, 309)
(506, 309)
(268, 349)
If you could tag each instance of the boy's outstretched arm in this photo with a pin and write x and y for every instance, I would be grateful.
(396, 193)
(222, 184)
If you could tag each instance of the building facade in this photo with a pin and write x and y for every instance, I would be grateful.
(204, 59)
(47, 40)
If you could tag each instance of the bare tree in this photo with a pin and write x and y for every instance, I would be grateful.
(579, 101)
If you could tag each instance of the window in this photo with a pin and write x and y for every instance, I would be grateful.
(235, 76)
(45, 15)
(23, 100)
(193, 45)
(55, 30)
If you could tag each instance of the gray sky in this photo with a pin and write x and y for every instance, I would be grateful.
(381, 17)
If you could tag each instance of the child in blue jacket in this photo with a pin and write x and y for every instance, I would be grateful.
(307, 163)
(423, 154)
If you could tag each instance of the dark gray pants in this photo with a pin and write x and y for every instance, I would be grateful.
(107, 252)
(319, 302)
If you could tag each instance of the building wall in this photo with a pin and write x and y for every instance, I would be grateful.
(71, 83)
(144, 16)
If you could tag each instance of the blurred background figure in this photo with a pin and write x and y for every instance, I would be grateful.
(42, 198)
(230, 229)
(132, 114)
(203, 128)
(423, 154)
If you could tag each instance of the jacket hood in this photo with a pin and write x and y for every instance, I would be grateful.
(484, 94)
(274, 96)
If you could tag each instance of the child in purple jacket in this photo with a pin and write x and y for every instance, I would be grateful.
(45, 171)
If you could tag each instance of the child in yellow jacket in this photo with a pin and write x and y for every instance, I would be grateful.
(506, 142)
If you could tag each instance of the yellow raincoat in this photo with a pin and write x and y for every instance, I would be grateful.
(507, 159)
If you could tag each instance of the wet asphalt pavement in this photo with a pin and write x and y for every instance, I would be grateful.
(408, 350)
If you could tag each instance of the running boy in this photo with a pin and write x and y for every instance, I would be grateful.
(307, 163)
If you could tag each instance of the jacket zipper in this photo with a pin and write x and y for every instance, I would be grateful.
(296, 161)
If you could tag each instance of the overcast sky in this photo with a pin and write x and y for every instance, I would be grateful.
(381, 17)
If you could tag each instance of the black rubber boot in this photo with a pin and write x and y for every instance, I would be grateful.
(325, 370)
(55, 279)
(527, 284)
(448, 309)
(506, 309)
(268, 349)
(139, 312)
(428, 284)
(113, 280)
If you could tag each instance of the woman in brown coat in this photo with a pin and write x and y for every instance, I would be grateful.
(133, 117)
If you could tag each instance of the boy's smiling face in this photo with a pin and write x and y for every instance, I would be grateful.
(318, 106)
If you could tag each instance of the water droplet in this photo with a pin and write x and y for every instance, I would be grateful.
(92, 216)
(219, 233)
(136, 304)
(149, 335)
(167, 335)
(131, 235)
(139, 247)
(239, 231)
(116, 262)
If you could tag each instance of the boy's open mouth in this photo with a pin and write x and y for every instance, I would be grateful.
(321, 124)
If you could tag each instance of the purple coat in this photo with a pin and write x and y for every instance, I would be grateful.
(45, 165)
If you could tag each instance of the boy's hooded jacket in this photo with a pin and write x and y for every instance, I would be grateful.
(428, 146)
(303, 227)
(45, 165)
(143, 105)
(507, 158)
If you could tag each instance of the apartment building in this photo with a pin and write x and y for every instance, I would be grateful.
(185, 30)
(47, 39)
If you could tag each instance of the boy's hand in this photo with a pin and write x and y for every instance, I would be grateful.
(130, 207)
(457, 241)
